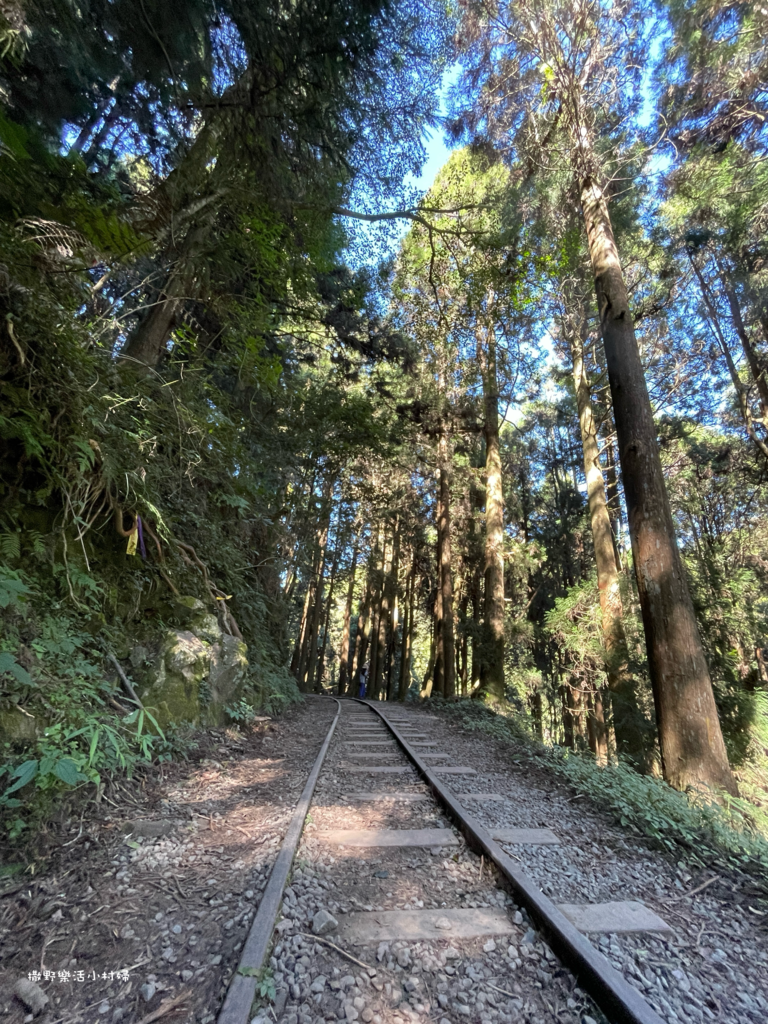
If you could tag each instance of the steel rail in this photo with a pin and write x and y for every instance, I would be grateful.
(236, 1008)
(618, 1000)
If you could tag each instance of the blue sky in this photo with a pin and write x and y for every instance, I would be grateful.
(437, 154)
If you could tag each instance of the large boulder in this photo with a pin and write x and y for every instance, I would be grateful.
(197, 671)
(229, 665)
(171, 687)
(194, 616)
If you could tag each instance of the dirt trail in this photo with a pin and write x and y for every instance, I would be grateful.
(162, 881)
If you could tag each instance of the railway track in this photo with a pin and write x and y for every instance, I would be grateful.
(377, 923)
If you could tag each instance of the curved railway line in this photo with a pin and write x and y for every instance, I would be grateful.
(400, 963)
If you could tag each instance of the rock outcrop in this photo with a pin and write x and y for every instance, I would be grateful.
(195, 673)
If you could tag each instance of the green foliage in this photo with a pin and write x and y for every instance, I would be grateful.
(241, 712)
(574, 624)
(9, 664)
(703, 832)
(483, 715)
(13, 590)
(265, 983)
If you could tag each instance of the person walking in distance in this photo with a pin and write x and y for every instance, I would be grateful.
(364, 680)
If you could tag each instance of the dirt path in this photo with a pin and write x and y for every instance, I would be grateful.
(162, 882)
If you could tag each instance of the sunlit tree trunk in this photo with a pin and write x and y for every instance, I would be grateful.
(492, 674)
(328, 610)
(306, 677)
(628, 722)
(314, 586)
(692, 748)
(597, 731)
(303, 627)
(446, 643)
(476, 667)
(575, 700)
(567, 717)
(538, 714)
(429, 676)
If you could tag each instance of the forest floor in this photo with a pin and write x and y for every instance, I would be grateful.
(162, 879)
(110, 894)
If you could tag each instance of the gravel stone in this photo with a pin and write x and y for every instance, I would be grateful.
(31, 995)
(147, 991)
(323, 923)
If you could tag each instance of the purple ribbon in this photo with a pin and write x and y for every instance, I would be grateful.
(142, 549)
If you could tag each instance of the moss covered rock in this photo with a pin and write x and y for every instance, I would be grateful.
(19, 728)
(195, 674)
(172, 684)
(229, 665)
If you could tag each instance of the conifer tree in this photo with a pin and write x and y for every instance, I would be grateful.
(555, 80)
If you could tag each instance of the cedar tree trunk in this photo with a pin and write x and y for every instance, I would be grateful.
(692, 748)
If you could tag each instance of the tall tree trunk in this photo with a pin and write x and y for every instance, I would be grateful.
(377, 641)
(575, 701)
(631, 737)
(692, 748)
(328, 608)
(394, 610)
(383, 623)
(301, 639)
(306, 677)
(742, 391)
(477, 666)
(437, 674)
(492, 677)
(756, 367)
(538, 715)
(318, 566)
(446, 582)
(567, 717)
(428, 685)
(405, 646)
(596, 727)
(463, 654)
(345, 656)
(363, 626)
(147, 343)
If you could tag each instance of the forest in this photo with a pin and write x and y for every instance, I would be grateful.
(277, 420)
